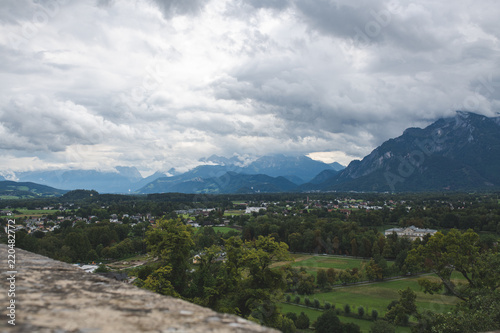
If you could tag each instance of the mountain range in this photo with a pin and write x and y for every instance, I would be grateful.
(275, 173)
(460, 153)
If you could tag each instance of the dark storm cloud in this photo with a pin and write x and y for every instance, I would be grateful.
(171, 8)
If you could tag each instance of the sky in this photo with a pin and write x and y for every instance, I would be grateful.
(159, 84)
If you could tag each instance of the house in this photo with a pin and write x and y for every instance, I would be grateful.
(410, 232)
(251, 210)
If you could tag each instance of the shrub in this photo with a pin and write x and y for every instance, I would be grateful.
(297, 299)
(361, 312)
(316, 304)
(288, 298)
(292, 316)
(307, 301)
(287, 325)
(374, 314)
(328, 322)
(381, 326)
(347, 309)
(350, 328)
(327, 306)
(302, 321)
(321, 278)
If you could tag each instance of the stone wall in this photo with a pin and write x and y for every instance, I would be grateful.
(52, 296)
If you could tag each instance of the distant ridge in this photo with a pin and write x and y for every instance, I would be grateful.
(229, 182)
(296, 169)
(26, 190)
(460, 153)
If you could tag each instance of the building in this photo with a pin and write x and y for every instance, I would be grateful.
(251, 210)
(410, 232)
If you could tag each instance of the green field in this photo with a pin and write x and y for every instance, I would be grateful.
(233, 212)
(225, 230)
(34, 212)
(371, 296)
(320, 261)
(374, 296)
(312, 263)
(314, 314)
(377, 296)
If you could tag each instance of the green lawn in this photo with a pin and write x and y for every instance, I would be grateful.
(377, 296)
(225, 230)
(34, 212)
(314, 314)
(233, 212)
(313, 263)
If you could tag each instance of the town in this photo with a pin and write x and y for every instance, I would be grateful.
(296, 251)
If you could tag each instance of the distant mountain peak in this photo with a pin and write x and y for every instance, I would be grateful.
(129, 172)
(457, 153)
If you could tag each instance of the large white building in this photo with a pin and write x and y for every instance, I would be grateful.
(410, 232)
(251, 210)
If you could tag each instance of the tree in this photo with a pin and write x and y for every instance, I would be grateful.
(373, 271)
(354, 247)
(79, 244)
(344, 277)
(331, 275)
(246, 283)
(350, 328)
(306, 283)
(159, 282)
(171, 241)
(361, 312)
(321, 278)
(302, 321)
(316, 303)
(295, 241)
(286, 325)
(382, 326)
(292, 316)
(400, 312)
(460, 252)
(328, 322)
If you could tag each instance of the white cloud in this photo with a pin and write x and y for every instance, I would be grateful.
(160, 84)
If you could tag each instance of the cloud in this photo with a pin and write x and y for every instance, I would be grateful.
(160, 84)
(171, 8)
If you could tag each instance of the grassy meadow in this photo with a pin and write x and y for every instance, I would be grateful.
(34, 212)
(371, 296)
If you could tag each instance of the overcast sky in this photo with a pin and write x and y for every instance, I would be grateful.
(162, 83)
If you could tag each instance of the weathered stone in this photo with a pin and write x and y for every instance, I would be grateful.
(53, 296)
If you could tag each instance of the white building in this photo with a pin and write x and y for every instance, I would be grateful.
(410, 232)
(250, 210)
